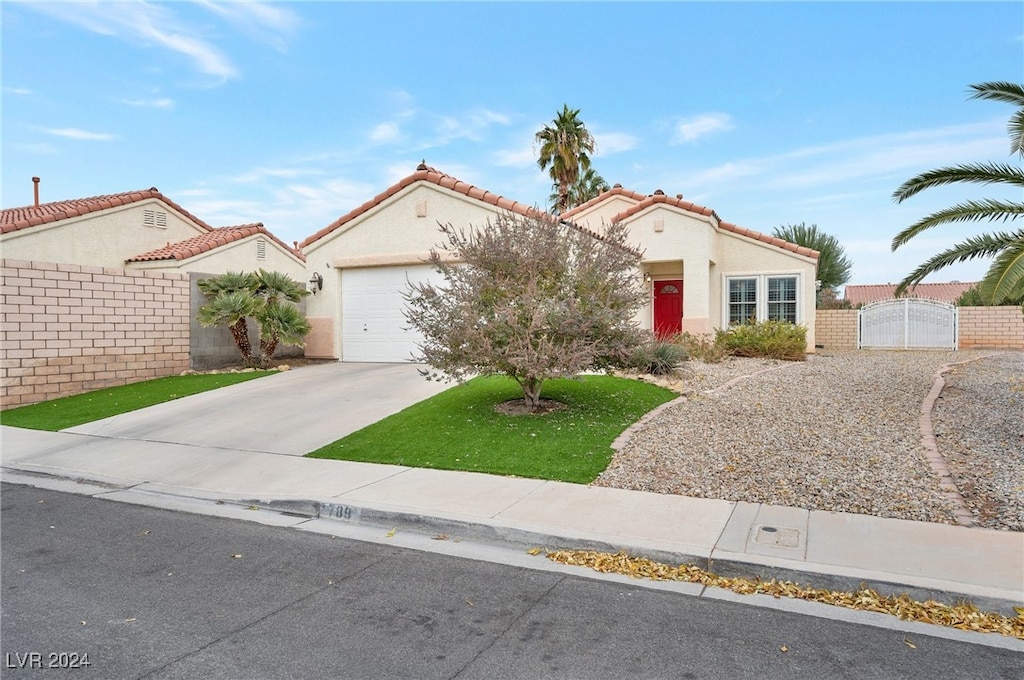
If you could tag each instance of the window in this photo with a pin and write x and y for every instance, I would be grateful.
(782, 298)
(761, 298)
(742, 300)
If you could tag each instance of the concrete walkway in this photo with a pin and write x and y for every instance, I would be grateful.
(223, 447)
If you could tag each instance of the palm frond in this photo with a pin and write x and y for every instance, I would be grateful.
(985, 245)
(1016, 129)
(970, 211)
(1005, 277)
(1000, 91)
(970, 173)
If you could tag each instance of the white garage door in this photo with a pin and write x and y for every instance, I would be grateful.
(373, 325)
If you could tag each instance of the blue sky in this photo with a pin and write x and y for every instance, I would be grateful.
(294, 113)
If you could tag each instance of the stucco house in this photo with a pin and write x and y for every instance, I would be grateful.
(139, 230)
(702, 273)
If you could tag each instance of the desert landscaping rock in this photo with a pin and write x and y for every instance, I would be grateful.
(979, 427)
(841, 433)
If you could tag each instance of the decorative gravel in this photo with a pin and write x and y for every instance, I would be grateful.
(839, 432)
(979, 426)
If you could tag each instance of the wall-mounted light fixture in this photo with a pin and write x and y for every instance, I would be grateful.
(316, 282)
(647, 277)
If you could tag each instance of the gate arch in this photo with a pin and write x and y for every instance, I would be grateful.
(907, 323)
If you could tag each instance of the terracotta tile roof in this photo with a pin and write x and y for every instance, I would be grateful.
(425, 173)
(215, 238)
(945, 292)
(616, 190)
(678, 202)
(14, 219)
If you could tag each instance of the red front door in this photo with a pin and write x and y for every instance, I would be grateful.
(668, 308)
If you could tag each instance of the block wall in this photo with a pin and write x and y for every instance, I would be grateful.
(836, 329)
(980, 328)
(68, 328)
(991, 327)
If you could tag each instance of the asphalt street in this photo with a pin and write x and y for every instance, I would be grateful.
(152, 593)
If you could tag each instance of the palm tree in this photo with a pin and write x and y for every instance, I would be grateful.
(267, 298)
(279, 320)
(1004, 280)
(565, 147)
(231, 303)
(833, 265)
(587, 186)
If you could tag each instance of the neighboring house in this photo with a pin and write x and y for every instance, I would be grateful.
(703, 273)
(139, 230)
(246, 247)
(943, 292)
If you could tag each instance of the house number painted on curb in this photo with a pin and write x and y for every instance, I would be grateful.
(346, 513)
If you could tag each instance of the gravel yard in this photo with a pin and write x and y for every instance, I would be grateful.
(839, 432)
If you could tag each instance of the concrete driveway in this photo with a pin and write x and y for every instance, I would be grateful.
(293, 412)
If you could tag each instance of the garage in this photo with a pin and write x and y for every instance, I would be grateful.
(373, 324)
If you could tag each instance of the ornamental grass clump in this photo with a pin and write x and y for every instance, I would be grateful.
(658, 357)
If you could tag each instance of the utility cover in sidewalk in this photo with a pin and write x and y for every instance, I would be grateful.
(780, 536)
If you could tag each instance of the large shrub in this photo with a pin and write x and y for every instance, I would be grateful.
(769, 339)
(528, 297)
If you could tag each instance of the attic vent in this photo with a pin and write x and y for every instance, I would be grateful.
(154, 218)
(261, 249)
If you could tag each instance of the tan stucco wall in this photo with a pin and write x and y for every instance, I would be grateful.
(674, 240)
(401, 230)
(101, 239)
(237, 256)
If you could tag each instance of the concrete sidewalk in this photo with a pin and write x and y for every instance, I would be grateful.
(821, 549)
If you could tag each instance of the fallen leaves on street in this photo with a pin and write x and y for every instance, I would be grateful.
(964, 616)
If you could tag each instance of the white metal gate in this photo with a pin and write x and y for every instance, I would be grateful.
(907, 323)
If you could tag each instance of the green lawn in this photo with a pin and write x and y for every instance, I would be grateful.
(58, 414)
(459, 429)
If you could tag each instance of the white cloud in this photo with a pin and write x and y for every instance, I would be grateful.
(523, 156)
(85, 135)
(690, 129)
(269, 24)
(384, 132)
(146, 23)
(161, 103)
(473, 126)
(613, 142)
(261, 174)
(20, 91)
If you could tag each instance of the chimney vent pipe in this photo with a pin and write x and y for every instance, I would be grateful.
(35, 189)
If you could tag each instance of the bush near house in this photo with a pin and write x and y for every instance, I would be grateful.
(768, 339)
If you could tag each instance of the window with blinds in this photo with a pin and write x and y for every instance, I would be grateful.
(763, 297)
(742, 301)
(782, 298)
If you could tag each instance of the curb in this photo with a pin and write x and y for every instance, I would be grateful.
(734, 565)
(508, 536)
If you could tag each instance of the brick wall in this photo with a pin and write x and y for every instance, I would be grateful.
(835, 329)
(991, 327)
(980, 328)
(67, 328)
